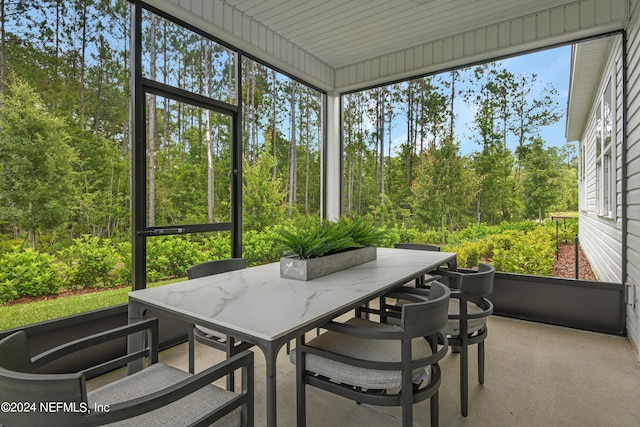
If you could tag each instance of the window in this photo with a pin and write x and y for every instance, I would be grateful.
(583, 176)
(605, 153)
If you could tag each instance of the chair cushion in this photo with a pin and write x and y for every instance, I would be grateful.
(453, 325)
(365, 349)
(182, 412)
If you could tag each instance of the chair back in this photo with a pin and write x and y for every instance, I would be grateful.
(18, 385)
(421, 319)
(417, 246)
(216, 267)
(477, 283)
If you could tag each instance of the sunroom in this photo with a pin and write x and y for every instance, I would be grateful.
(336, 48)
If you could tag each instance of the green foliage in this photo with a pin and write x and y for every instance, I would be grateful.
(317, 239)
(402, 234)
(261, 247)
(532, 255)
(444, 186)
(8, 244)
(35, 162)
(539, 178)
(262, 197)
(523, 249)
(124, 270)
(28, 273)
(90, 262)
(170, 256)
(216, 246)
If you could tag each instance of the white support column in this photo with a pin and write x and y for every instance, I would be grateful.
(333, 170)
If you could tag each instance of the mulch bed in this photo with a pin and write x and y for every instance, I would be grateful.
(565, 264)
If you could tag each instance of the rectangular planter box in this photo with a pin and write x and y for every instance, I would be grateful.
(292, 267)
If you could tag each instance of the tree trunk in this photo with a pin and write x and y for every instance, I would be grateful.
(3, 50)
(292, 150)
(381, 120)
(83, 59)
(306, 146)
(152, 126)
(274, 137)
(208, 136)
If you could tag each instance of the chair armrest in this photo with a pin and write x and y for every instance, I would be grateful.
(151, 351)
(156, 400)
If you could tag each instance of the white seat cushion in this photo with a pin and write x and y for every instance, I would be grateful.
(453, 325)
(364, 349)
(182, 412)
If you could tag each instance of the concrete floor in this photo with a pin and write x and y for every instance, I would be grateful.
(536, 375)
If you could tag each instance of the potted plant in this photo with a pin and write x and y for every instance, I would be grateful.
(322, 248)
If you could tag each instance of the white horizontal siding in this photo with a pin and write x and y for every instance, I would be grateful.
(601, 238)
(602, 246)
(633, 171)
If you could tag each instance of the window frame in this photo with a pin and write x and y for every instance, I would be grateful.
(605, 138)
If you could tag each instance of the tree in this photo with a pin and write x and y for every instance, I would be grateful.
(36, 184)
(263, 198)
(540, 171)
(444, 186)
(532, 110)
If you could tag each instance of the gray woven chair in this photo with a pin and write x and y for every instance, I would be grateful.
(156, 395)
(468, 311)
(208, 336)
(377, 363)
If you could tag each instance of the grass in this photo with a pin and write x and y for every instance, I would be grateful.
(13, 316)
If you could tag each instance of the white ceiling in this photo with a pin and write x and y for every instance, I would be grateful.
(349, 44)
(342, 32)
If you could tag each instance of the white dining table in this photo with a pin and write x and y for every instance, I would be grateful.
(258, 306)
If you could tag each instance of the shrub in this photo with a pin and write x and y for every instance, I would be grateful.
(28, 273)
(217, 246)
(90, 263)
(502, 241)
(170, 256)
(8, 244)
(261, 247)
(124, 269)
(469, 253)
(533, 254)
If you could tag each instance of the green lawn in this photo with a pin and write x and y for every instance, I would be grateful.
(12, 316)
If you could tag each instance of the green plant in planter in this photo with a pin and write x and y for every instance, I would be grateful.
(314, 240)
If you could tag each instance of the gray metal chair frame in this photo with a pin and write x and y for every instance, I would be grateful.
(221, 342)
(420, 281)
(20, 383)
(424, 316)
(470, 286)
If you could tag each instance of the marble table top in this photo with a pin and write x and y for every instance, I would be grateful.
(257, 303)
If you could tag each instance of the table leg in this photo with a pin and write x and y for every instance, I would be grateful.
(271, 354)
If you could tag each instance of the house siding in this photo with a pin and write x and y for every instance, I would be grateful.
(601, 236)
(633, 172)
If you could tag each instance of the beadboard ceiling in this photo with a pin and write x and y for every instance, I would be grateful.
(340, 32)
(344, 44)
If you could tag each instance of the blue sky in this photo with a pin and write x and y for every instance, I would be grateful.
(551, 66)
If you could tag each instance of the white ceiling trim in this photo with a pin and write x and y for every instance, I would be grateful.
(233, 27)
(566, 21)
(581, 19)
